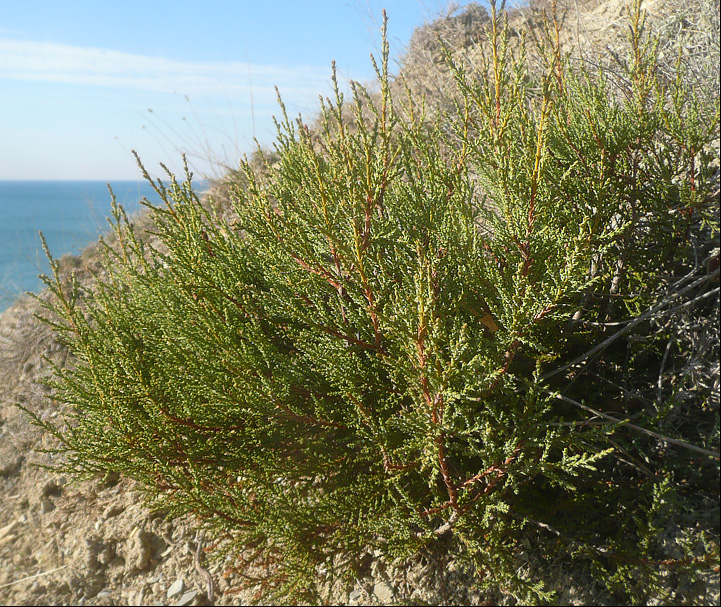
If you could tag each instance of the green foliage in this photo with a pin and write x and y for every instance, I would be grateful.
(364, 358)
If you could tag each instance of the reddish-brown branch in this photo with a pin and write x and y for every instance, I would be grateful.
(352, 340)
(445, 472)
(308, 419)
(498, 468)
(389, 466)
(509, 356)
(195, 426)
(483, 493)
(370, 205)
(372, 310)
(436, 408)
(542, 313)
(436, 510)
(319, 271)
(368, 214)
(340, 289)
(235, 302)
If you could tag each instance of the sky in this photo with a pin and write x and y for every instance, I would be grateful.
(82, 83)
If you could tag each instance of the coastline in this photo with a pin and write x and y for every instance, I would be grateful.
(71, 215)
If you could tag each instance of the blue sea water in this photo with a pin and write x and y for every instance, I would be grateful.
(70, 214)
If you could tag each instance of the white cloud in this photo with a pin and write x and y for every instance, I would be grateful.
(50, 62)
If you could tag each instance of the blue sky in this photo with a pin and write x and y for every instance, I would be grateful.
(83, 83)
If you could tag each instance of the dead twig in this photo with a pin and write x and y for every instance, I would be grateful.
(627, 424)
(32, 577)
(202, 570)
(655, 309)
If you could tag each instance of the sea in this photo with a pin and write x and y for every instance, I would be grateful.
(70, 214)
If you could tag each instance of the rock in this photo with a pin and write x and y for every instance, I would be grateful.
(176, 588)
(355, 595)
(106, 555)
(37, 588)
(53, 488)
(8, 529)
(163, 553)
(46, 505)
(92, 548)
(112, 510)
(97, 553)
(136, 598)
(139, 550)
(384, 593)
(187, 598)
(11, 466)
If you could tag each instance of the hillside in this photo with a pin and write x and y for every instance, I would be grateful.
(95, 542)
